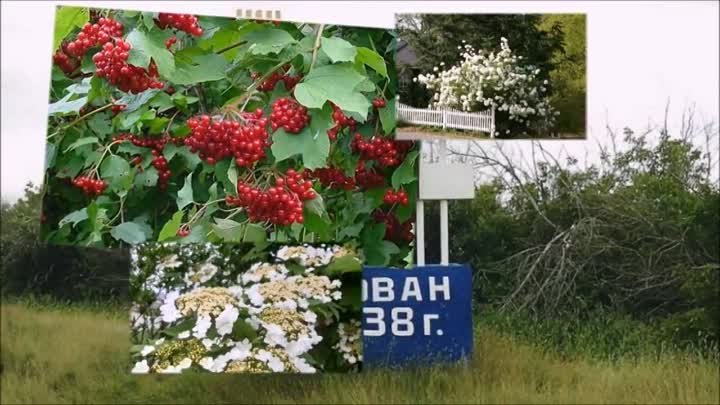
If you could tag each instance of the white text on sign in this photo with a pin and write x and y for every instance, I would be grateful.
(401, 321)
(384, 289)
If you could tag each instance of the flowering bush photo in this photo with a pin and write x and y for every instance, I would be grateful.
(245, 308)
(527, 71)
(181, 128)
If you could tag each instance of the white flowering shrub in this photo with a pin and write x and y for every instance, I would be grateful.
(240, 308)
(485, 79)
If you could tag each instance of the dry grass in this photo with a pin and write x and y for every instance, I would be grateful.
(52, 356)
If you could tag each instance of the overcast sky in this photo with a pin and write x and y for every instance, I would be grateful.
(639, 55)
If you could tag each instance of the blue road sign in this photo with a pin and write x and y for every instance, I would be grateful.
(416, 316)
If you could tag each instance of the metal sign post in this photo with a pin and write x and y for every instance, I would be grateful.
(442, 181)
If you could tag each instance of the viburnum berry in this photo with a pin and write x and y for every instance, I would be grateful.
(67, 64)
(182, 22)
(279, 75)
(393, 197)
(382, 150)
(160, 164)
(341, 121)
(367, 178)
(269, 83)
(394, 230)
(100, 33)
(297, 184)
(111, 64)
(287, 114)
(170, 42)
(90, 187)
(331, 177)
(117, 108)
(276, 205)
(216, 140)
(378, 102)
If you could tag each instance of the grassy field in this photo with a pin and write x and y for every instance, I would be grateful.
(81, 356)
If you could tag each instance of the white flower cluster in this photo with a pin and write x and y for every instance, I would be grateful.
(485, 79)
(350, 344)
(262, 322)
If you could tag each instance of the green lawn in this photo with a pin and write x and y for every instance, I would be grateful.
(81, 356)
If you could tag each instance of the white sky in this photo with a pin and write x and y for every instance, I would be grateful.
(640, 54)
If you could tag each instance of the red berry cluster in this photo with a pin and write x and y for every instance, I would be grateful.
(170, 42)
(183, 232)
(156, 144)
(117, 108)
(394, 230)
(367, 178)
(91, 35)
(111, 63)
(66, 63)
(91, 187)
(216, 140)
(341, 121)
(182, 22)
(395, 197)
(382, 150)
(378, 102)
(153, 142)
(331, 177)
(269, 83)
(276, 205)
(160, 164)
(287, 114)
(297, 184)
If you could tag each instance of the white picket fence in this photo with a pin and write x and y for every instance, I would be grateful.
(483, 121)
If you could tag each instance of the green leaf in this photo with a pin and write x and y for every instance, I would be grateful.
(242, 330)
(192, 160)
(64, 105)
(114, 166)
(405, 173)
(372, 59)
(66, 19)
(80, 142)
(222, 39)
(337, 49)
(50, 151)
(255, 233)
(228, 230)
(316, 206)
(100, 124)
(74, 217)
(129, 232)
(335, 83)
(344, 264)
(268, 40)
(376, 250)
(169, 230)
(312, 143)
(134, 101)
(79, 88)
(351, 231)
(232, 176)
(162, 101)
(151, 45)
(185, 195)
(202, 68)
(388, 116)
(147, 178)
(147, 19)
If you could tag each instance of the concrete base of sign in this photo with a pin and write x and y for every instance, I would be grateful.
(415, 317)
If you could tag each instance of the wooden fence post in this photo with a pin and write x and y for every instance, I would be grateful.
(492, 121)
